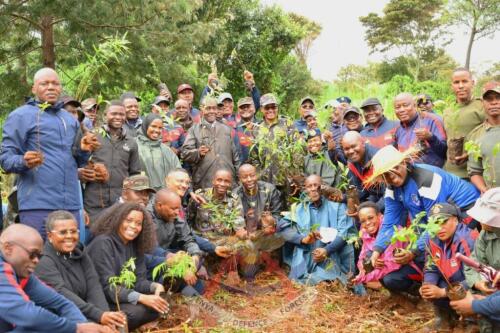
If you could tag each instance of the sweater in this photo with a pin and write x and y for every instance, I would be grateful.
(109, 253)
(74, 277)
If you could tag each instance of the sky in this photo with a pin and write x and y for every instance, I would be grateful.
(342, 39)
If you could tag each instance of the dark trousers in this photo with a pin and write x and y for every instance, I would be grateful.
(36, 219)
(403, 280)
(137, 315)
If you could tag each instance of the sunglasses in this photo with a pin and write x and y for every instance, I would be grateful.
(31, 254)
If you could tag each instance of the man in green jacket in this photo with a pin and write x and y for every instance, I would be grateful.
(462, 117)
(483, 165)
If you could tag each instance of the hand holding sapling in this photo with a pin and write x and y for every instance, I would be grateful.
(89, 142)
(319, 254)
(32, 159)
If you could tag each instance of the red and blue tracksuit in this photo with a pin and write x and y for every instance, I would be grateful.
(425, 186)
(244, 140)
(28, 305)
(382, 135)
(174, 134)
(442, 254)
(435, 147)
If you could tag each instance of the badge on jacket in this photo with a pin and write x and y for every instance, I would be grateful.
(126, 148)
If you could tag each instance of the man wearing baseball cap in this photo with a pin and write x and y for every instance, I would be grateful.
(90, 108)
(135, 189)
(161, 103)
(487, 252)
(245, 127)
(352, 119)
(271, 124)
(186, 92)
(73, 106)
(379, 131)
(306, 105)
(483, 166)
(132, 112)
(226, 101)
(451, 238)
(425, 104)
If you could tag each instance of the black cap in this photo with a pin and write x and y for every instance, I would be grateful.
(160, 99)
(444, 210)
(370, 101)
(423, 98)
(70, 100)
(352, 109)
(129, 94)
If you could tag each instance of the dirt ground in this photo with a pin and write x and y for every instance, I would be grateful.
(273, 304)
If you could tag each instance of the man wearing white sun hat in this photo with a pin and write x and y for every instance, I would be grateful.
(415, 187)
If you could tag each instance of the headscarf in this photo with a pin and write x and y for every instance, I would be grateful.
(147, 122)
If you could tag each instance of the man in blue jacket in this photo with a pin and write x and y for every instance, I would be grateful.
(28, 305)
(39, 144)
(415, 187)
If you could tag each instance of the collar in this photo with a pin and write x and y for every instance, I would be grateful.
(491, 235)
(411, 122)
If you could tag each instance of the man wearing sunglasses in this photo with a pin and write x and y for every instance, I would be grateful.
(27, 304)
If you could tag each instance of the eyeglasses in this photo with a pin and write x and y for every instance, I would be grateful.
(31, 254)
(69, 232)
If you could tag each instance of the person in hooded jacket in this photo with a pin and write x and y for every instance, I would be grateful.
(157, 158)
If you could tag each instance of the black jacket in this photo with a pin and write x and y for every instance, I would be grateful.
(268, 198)
(121, 158)
(175, 235)
(75, 278)
(109, 254)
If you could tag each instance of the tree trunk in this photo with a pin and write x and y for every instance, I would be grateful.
(48, 48)
(469, 46)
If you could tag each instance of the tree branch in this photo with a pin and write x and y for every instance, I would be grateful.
(27, 19)
(20, 55)
(117, 26)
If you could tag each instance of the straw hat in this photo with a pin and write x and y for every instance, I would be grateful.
(386, 159)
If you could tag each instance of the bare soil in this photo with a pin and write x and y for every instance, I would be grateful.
(328, 307)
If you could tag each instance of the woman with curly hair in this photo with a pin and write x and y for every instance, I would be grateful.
(123, 232)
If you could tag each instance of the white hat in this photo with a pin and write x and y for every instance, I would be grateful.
(486, 210)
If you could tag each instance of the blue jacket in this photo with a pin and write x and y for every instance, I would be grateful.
(381, 136)
(54, 184)
(31, 306)
(297, 225)
(488, 307)
(462, 242)
(435, 152)
(300, 125)
(425, 186)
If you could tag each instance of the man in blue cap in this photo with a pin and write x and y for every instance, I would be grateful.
(344, 101)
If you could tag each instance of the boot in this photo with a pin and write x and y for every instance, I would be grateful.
(443, 321)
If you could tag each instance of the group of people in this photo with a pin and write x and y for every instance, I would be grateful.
(100, 194)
